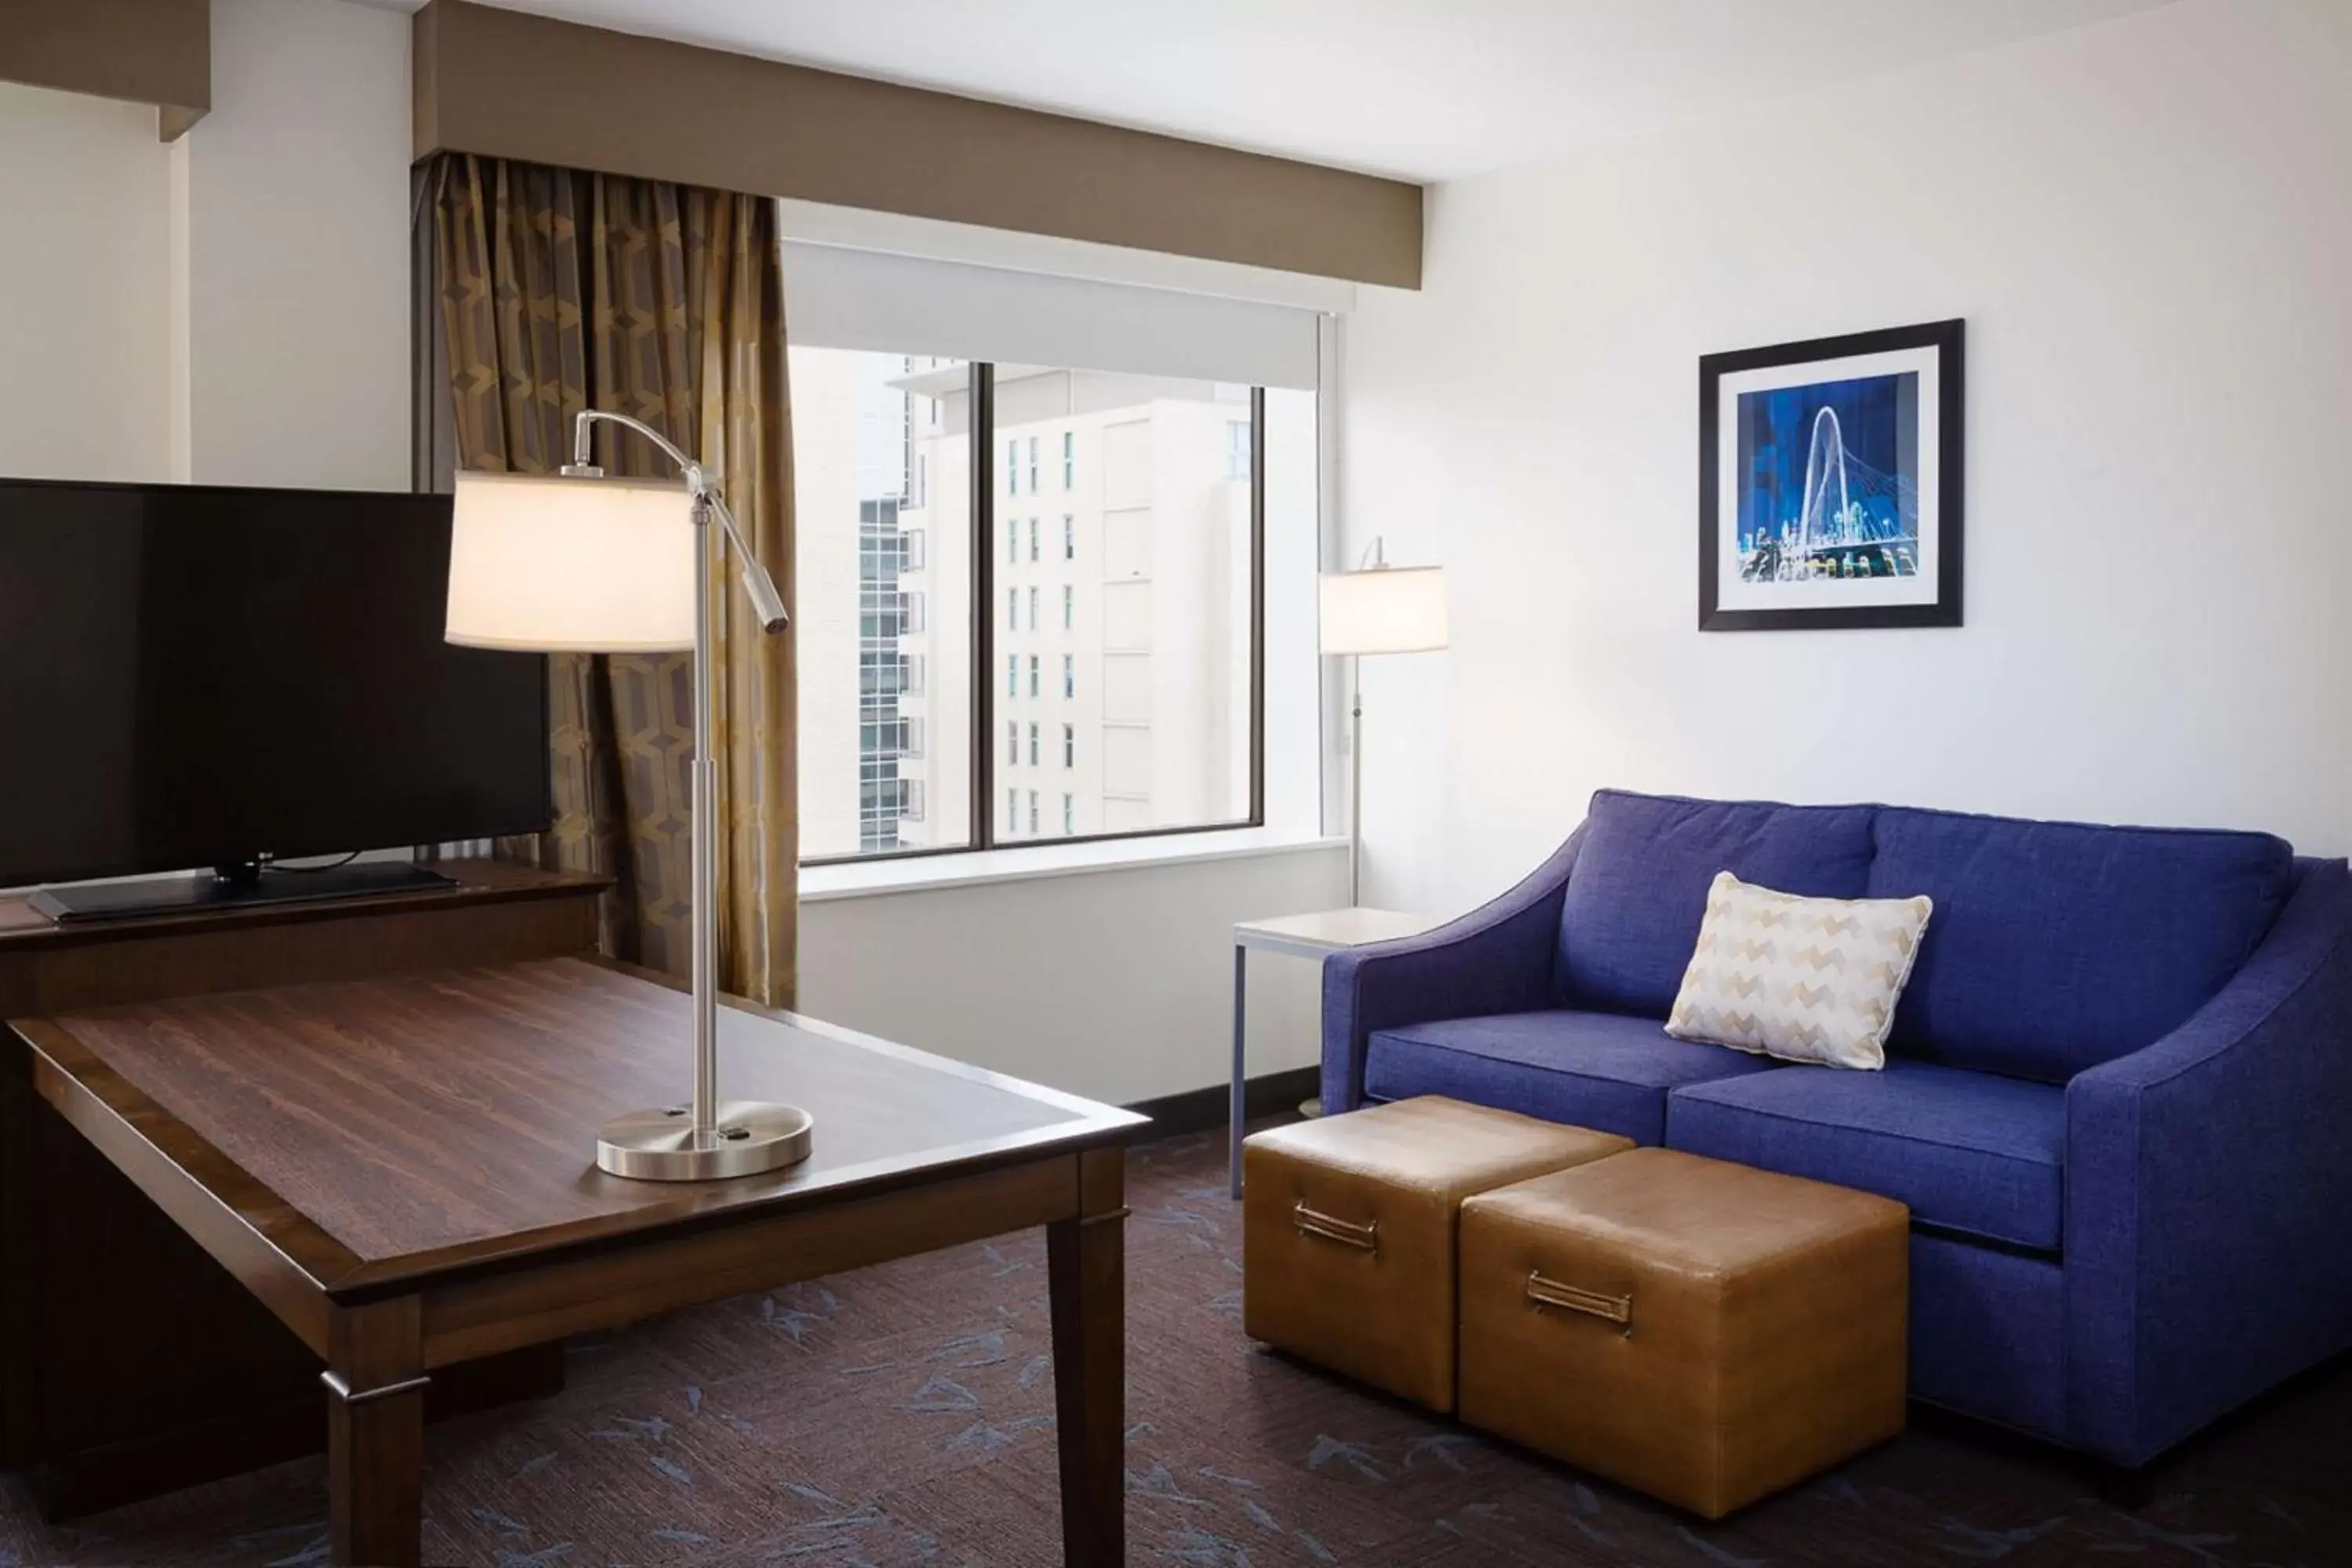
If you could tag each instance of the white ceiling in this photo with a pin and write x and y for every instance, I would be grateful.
(1421, 88)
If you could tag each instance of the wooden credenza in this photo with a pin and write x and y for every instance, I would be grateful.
(101, 1295)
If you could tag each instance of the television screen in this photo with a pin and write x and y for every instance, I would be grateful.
(194, 676)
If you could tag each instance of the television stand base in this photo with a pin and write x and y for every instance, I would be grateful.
(154, 896)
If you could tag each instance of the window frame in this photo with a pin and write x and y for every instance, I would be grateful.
(987, 777)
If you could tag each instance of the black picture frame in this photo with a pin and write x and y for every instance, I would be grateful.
(1948, 340)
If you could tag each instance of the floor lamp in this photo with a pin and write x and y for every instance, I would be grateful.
(1376, 609)
(582, 564)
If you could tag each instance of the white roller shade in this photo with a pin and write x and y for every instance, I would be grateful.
(846, 299)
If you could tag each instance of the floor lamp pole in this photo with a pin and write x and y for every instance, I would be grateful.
(1355, 785)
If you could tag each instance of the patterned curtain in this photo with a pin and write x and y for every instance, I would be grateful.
(560, 290)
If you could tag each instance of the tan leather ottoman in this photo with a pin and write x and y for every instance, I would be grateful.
(1348, 1228)
(1699, 1331)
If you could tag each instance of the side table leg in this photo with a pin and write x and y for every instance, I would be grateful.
(1086, 1261)
(375, 1434)
(1234, 1108)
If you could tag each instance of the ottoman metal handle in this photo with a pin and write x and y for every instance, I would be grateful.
(1311, 1223)
(1546, 1292)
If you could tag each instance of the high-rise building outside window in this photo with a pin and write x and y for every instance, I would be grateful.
(893, 674)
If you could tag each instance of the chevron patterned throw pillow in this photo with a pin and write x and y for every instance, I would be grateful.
(1805, 979)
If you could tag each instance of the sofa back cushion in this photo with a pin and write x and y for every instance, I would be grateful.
(1630, 916)
(2057, 946)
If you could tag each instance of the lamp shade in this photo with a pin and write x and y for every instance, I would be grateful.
(571, 565)
(1387, 609)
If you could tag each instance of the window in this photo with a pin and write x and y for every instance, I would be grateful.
(886, 448)
(871, 435)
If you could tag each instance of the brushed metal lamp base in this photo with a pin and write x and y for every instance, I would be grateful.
(663, 1146)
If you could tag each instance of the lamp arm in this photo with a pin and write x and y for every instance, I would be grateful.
(759, 586)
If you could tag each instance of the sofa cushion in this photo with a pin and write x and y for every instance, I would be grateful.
(1630, 916)
(1599, 1070)
(2057, 946)
(1970, 1151)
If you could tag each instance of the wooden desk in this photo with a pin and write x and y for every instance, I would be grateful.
(401, 1169)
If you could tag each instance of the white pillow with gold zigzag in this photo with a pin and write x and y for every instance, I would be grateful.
(1805, 979)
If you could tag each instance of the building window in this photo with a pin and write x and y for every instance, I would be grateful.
(1173, 456)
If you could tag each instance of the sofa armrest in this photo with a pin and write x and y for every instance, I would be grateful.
(1499, 958)
(2206, 1257)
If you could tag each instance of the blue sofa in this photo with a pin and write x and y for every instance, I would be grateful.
(2118, 1094)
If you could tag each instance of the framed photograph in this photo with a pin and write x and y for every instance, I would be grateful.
(1829, 482)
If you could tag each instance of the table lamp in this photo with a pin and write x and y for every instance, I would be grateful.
(1377, 609)
(583, 563)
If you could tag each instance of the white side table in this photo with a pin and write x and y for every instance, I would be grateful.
(1314, 936)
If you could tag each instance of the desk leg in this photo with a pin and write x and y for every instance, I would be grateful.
(1086, 1268)
(375, 1434)
(1235, 1108)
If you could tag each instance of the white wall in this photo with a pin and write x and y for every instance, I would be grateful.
(1112, 984)
(2146, 224)
(295, 195)
(84, 269)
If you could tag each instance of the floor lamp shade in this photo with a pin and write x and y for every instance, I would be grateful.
(1387, 609)
(572, 565)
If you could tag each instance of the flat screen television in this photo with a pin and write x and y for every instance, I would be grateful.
(196, 677)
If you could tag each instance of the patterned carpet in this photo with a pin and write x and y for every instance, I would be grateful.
(904, 1414)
